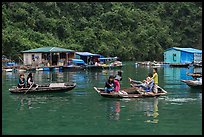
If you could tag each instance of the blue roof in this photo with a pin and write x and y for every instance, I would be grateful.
(189, 50)
(86, 54)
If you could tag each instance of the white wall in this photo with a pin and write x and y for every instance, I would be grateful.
(27, 58)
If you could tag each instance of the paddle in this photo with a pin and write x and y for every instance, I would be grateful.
(29, 88)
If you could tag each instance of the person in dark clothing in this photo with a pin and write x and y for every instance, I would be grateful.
(119, 76)
(21, 81)
(109, 85)
(30, 80)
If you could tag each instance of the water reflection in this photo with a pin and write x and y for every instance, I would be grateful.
(151, 111)
(31, 101)
(113, 110)
(23, 103)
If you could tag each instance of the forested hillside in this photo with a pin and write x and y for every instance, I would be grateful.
(130, 30)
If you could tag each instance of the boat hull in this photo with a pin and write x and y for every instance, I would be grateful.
(119, 95)
(192, 84)
(44, 89)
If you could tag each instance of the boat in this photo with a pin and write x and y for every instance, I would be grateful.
(106, 63)
(47, 88)
(8, 70)
(194, 75)
(179, 65)
(104, 66)
(73, 68)
(193, 83)
(131, 92)
(197, 65)
(21, 70)
(39, 69)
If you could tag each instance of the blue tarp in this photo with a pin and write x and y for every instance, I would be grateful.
(186, 57)
(86, 54)
(78, 61)
(109, 58)
(10, 64)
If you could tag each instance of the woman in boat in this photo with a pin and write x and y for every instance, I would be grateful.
(109, 85)
(117, 84)
(30, 80)
(21, 81)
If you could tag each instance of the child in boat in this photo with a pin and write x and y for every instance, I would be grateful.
(148, 84)
(119, 76)
(21, 81)
(109, 85)
(155, 78)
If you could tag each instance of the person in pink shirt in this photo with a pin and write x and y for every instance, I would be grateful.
(117, 84)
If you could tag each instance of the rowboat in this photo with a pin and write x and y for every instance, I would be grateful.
(47, 88)
(194, 75)
(132, 92)
(193, 83)
(8, 70)
(178, 65)
(39, 69)
(103, 67)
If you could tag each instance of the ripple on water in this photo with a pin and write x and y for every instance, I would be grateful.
(181, 100)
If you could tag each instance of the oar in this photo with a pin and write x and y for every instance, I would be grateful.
(29, 88)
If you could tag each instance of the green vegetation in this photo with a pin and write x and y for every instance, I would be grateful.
(129, 30)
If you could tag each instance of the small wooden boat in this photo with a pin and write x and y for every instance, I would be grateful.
(193, 83)
(197, 65)
(178, 65)
(194, 75)
(8, 70)
(39, 69)
(131, 92)
(47, 88)
(73, 68)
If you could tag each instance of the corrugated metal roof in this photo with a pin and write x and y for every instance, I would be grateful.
(47, 49)
(86, 54)
(190, 50)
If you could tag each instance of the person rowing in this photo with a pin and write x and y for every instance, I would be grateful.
(30, 81)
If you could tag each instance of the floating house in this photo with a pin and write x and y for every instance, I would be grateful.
(87, 57)
(48, 56)
(182, 55)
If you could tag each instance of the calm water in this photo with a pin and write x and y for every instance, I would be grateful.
(83, 111)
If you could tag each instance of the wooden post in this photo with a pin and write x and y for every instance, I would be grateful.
(68, 56)
(66, 60)
(50, 59)
(58, 58)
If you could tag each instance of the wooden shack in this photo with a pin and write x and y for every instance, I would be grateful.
(47, 56)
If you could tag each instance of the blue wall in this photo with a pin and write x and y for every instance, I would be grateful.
(186, 57)
(175, 56)
(172, 56)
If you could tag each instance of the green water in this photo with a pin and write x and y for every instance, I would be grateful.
(83, 111)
